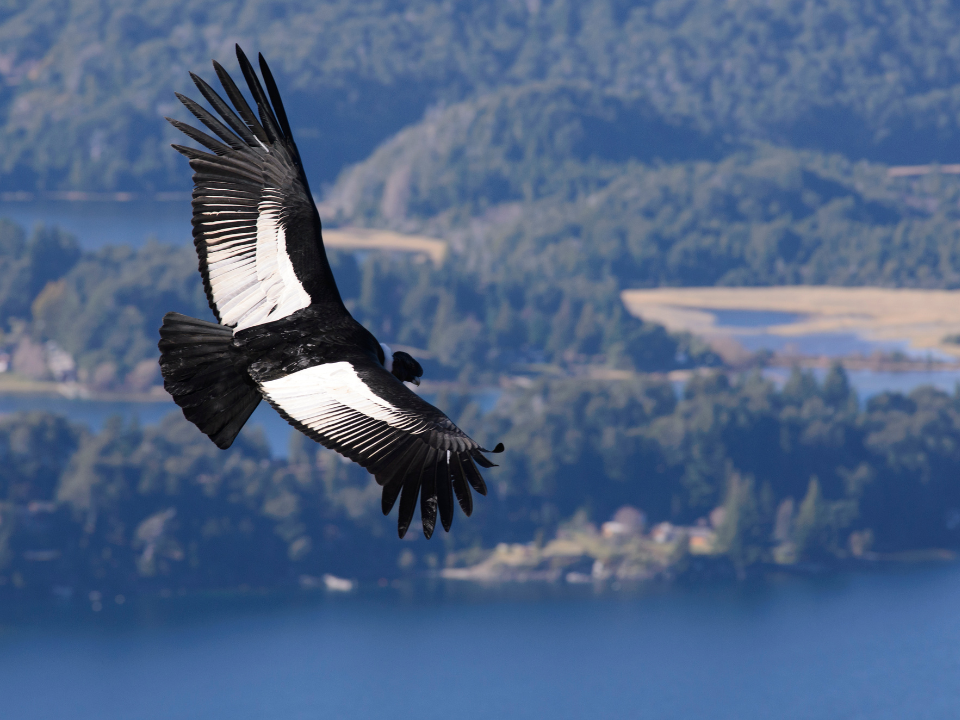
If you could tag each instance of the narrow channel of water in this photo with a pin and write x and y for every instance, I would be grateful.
(98, 223)
(95, 413)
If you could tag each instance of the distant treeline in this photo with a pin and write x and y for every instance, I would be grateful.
(802, 473)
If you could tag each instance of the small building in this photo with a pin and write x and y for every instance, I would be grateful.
(702, 540)
(663, 533)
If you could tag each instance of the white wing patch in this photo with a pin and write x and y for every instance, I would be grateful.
(250, 273)
(328, 399)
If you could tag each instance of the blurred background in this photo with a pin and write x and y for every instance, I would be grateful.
(697, 265)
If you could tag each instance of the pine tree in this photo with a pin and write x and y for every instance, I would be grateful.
(740, 536)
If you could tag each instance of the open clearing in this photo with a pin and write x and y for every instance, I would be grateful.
(923, 318)
(351, 238)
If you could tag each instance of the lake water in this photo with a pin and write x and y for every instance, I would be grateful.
(748, 328)
(752, 318)
(832, 345)
(870, 382)
(95, 413)
(99, 223)
(875, 647)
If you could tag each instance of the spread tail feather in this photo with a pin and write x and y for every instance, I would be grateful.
(199, 372)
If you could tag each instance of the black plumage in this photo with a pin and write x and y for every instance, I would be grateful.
(283, 332)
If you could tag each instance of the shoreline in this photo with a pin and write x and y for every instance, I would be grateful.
(12, 385)
(24, 607)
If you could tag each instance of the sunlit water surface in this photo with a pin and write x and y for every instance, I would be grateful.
(878, 647)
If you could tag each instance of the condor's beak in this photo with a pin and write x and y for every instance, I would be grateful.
(416, 381)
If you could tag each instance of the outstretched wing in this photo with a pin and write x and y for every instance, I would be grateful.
(255, 225)
(363, 412)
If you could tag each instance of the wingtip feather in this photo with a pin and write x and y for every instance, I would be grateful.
(191, 152)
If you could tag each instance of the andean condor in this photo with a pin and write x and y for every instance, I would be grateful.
(284, 333)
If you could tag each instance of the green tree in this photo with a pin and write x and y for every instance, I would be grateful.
(742, 535)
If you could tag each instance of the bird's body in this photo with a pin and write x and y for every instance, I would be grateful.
(283, 333)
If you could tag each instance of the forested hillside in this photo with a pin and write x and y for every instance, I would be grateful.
(85, 83)
(759, 216)
(640, 144)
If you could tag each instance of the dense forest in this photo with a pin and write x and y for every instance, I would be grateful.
(527, 283)
(565, 151)
(85, 83)
(760, 216)
(609, 144)
(104, 309)
(803, 475)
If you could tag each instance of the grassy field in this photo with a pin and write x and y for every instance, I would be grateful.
(350, 238)
(923, 318)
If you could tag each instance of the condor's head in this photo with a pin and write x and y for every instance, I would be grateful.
(402, 365)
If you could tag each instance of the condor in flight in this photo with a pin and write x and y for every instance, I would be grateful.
(284, 334)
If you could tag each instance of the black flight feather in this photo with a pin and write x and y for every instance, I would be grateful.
(444, 490)
(263, 104)
(477, 455)
(428, 494)
(391, 491)
(240, 103)
(392, 481)
(473, 475)
(410, 490)
(201, 137)
(460, 486)
(275, 100)
(228, 115)
(221, 130)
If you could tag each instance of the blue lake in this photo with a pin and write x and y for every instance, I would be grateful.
(95, 413)
(749, 329)
(752, 318)
(874, 647)
(869, 382)
(824, 344)
(99, 223)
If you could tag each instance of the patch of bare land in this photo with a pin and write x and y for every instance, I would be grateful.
(925, 319)
(350, 238)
